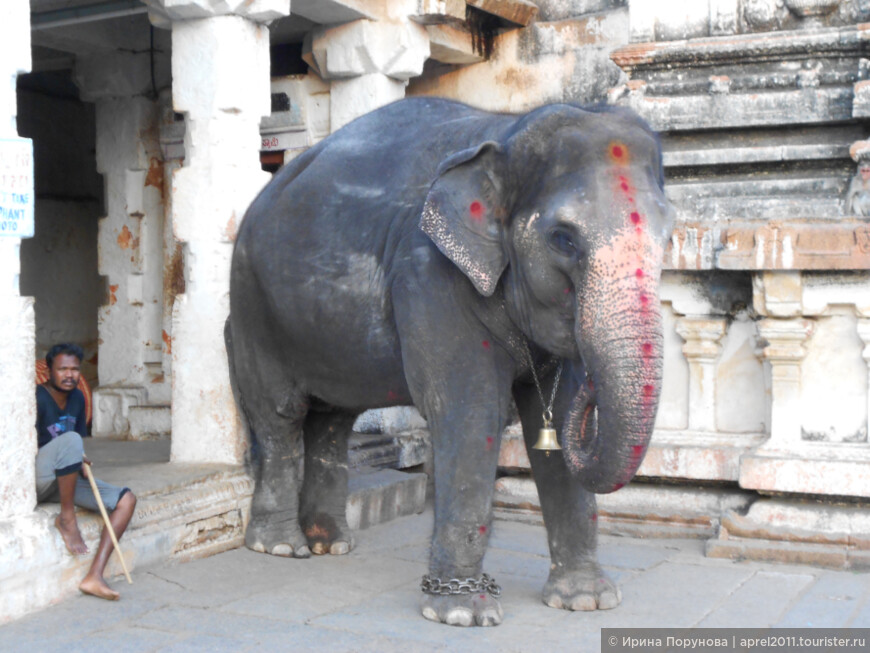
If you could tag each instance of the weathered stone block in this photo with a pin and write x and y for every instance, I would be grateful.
(363, 47)
(792, 531)
(377, 497)
(519, 12)
(150, 422)
(451, 45)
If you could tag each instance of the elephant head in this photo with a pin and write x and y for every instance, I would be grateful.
(566, 210)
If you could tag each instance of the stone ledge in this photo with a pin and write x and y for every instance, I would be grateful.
(798, 244)
(791, 531)
(743, 48)
(825, 469)
(638, 510)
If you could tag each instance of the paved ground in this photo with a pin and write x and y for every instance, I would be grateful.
(368, 600)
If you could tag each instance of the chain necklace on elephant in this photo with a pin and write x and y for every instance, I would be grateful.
(547, 438)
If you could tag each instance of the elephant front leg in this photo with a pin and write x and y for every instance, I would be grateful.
(576, 580)
(456, 591)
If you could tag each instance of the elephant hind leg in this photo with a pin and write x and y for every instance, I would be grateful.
(324, 490)
(275, 409)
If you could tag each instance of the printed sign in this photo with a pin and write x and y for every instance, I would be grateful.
(16, 187)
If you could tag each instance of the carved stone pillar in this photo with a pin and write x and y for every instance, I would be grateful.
(220, 81)
(864, 334)
(784, 352)
(369, 63)
(702, 349)
(17, 321)
(130, 246)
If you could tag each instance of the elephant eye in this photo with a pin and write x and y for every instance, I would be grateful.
(562, 242)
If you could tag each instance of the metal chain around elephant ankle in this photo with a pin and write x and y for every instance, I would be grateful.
(548, 408)
(454, 586)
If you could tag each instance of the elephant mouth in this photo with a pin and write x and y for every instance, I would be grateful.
(580, 431)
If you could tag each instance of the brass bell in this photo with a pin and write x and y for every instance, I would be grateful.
(547, 440)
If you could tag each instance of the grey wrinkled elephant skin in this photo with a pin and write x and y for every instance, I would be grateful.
(410, 258)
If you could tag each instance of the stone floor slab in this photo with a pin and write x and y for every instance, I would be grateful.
(760, 602)
(830, 602)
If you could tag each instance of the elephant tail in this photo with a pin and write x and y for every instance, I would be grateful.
(237, 395)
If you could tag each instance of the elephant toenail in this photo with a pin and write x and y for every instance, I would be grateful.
(339, 548)
(258, 547)
(284, 550)
(459, 617)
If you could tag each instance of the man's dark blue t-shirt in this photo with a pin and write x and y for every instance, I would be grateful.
(51, 421)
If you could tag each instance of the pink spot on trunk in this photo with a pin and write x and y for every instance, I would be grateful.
(648, 391)
(485, 344)
(482, 530)
(647, 348)
(618, 486)
(638, 273)
(392, 396)
(594, 516)
(476, 210)
(489, 442)
(637, 450)
(635, 217)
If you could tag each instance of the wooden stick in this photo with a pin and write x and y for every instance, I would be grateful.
(107, 522)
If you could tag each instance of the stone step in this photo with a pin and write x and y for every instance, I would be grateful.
(391, 450)
(637, 510)
(184, 512)
(150, 422)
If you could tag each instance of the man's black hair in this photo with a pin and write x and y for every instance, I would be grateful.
(68, 348)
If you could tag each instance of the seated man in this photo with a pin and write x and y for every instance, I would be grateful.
(60, 473)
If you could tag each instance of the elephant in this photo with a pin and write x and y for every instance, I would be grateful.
(462, 261)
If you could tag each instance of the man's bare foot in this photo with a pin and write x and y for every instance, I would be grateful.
(72, 538)
(96, 586)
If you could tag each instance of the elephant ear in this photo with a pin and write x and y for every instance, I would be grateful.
(465, 211)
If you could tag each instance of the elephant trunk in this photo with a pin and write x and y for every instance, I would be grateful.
(610, 420)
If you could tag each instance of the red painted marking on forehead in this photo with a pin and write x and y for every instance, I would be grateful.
(475, 209)
(635, 217)
(638, 273)
(485, 344)
(482, 530)
(618, 151)
(594, 516)
(648, 390)
(489, 442)
(644, 300)
(637, 450)
(647, 348)
(392, 396)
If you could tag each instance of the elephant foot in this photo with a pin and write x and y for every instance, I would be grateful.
(325, 534)
(269, 534)
(587, 588)
(463, 609)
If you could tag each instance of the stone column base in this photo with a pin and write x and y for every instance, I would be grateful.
(793, 531)
(112, 406)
